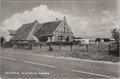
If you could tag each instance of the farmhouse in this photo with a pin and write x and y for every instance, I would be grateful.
(57, 30)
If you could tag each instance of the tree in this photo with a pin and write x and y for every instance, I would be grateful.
(2, 39)
(43, 38)
(116, 37)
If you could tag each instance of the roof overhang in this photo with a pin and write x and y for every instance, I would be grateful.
(45, 35)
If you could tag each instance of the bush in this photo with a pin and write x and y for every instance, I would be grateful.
(63, 43)
(75, 54)
(114, 50)
(7, 45)
(2, 40)
(116, 36)
(42, 38)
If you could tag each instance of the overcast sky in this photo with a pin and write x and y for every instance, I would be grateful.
(86, 18)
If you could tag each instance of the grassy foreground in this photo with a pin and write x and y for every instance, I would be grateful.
(99, 52)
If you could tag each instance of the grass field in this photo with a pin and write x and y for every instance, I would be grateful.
(99, 52)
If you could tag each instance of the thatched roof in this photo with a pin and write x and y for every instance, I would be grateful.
(23, 32)
(47, 29)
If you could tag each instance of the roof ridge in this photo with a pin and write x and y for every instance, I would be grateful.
(28, 23)
(41, 23)
(47, 28)
(50, 22)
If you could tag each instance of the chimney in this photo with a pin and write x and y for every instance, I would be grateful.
(36, 21)
(64, 18)
(56, 19)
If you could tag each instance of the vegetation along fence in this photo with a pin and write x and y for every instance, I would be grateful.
(66, 46)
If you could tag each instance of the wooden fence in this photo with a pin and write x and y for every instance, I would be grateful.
(68, 46)
(77, 46)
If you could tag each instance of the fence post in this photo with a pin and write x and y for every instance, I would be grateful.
(30, 45)
(109, 49)
(14, 46)
(59, 45)
(40, 45)
(98, 47)
(87, 47)
(118, 47)
(71, 45)
(50, 47)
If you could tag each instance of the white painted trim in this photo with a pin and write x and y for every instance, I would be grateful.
(58, 27)
(69, 28)
(34, 26)
(71, 33)
(94, 74)
(7, 58)
(39, 64)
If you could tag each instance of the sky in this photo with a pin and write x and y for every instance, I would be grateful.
(86, 18)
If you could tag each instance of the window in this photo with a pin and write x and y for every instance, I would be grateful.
(67, 38)
(64, 29)
(61, 38)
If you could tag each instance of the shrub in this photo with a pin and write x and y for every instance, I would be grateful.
(114, 50)
(116, 36)
(63, 43)
(42, 38)
(75, 54)
(6, 45)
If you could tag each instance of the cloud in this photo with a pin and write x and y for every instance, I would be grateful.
(81, 26)
(4, 32)
(110, 18)
(64, 10)
(106, 12)
(104, 20)
(43, 14)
